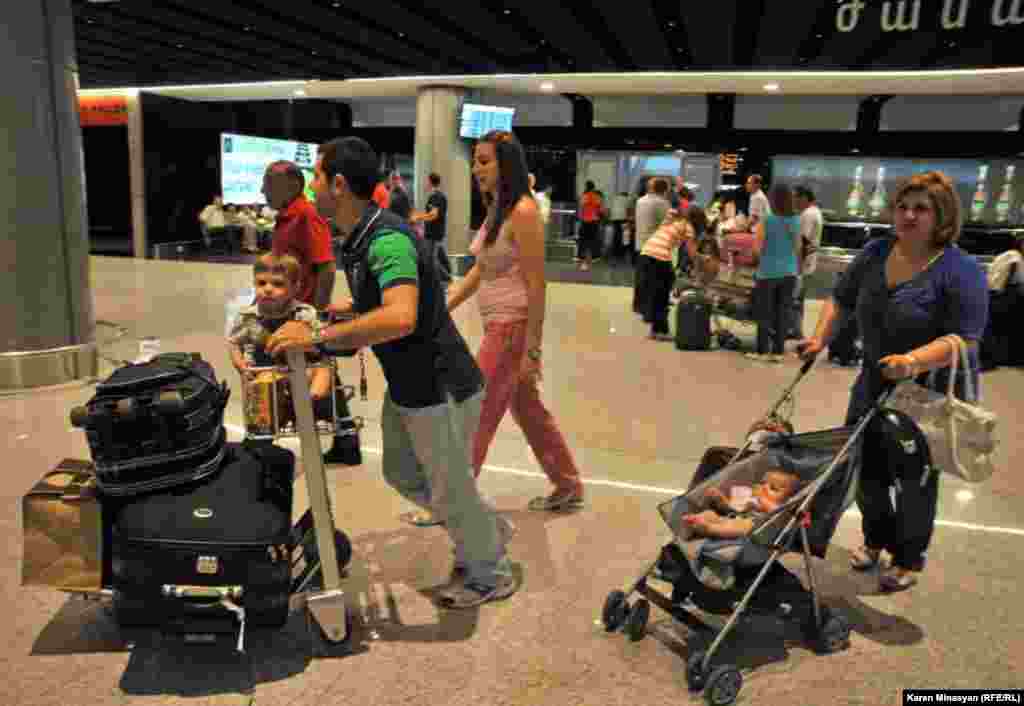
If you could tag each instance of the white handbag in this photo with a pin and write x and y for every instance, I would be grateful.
(961, 435)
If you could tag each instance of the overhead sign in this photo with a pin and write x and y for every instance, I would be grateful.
(906, 15)
(102, 110)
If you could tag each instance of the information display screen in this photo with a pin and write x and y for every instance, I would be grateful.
(478, 120)
(859, 188)
(244, 159)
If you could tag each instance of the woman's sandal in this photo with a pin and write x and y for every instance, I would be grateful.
(894, 580)
(556, 501)
(472, 595)
(420, 519)
(864, 558)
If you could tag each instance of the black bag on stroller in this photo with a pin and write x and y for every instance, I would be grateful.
(155, 425)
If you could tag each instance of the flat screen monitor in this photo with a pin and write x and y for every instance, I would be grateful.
(244, 159)
(478, 120)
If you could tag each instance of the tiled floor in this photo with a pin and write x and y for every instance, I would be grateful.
(638, 415)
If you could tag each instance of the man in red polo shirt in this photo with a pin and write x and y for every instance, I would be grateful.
(300, 232)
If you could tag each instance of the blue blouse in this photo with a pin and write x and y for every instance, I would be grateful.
(778, 258)
(950, 296)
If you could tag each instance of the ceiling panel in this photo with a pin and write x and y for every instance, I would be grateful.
(488, 24)
(157, 41)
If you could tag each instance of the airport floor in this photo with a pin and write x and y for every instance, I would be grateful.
(638, 415)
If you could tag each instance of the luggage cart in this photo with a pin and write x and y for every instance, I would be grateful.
(323, 549)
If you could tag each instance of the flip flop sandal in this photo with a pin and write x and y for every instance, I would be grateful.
(420, 519)
(472, 595)
(556, 502)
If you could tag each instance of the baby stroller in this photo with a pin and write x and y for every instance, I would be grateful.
(737, 575)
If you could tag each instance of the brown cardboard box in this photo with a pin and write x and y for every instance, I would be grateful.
(63, 530)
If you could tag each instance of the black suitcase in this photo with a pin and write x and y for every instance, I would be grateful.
(155, 425)
(693, 322)
(179, 552)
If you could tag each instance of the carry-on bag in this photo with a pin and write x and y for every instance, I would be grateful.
(198, 557)
(693, 322)
(62, 521)
(156, 424)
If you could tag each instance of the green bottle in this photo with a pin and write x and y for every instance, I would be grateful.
(1005, 196)
(877, 202)
(853, 201)
(980, 199)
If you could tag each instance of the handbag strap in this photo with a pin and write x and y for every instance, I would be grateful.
(960, 358)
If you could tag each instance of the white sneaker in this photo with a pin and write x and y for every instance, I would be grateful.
(761, 357)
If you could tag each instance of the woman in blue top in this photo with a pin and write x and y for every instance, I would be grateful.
(907, 293)
(777, 239)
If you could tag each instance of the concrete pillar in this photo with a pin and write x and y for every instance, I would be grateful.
(46, 314)
(137, 175)
(440, 149)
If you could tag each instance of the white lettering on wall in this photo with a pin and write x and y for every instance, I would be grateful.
(905, 15)
(961, 19)
(1014, 15)
(901, 23)
(848, 15)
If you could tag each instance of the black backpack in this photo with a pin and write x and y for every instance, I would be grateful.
(156, 424)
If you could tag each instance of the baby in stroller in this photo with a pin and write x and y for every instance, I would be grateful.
(736, 517)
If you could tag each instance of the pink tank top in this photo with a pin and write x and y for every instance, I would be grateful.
(502, 293)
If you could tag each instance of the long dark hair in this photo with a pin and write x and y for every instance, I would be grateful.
(513, 180)
(781, 200)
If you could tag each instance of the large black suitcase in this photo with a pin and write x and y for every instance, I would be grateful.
(155, 425)
(178, 552)
(693, 322)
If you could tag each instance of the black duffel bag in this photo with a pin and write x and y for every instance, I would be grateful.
(155, 425)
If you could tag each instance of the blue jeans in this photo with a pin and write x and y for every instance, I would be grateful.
(773, 306)
(427, 460)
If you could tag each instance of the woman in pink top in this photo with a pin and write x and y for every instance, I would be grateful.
(678, 227)
(509, 275)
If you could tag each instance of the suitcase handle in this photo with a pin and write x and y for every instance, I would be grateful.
(208, 593)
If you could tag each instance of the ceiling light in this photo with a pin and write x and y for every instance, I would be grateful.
(299, 92)
(855, 151)
(508, 12)
(820, 36)
(336, 4)
(547, 86)
(180, 46)
(247, 28)
(771, 86)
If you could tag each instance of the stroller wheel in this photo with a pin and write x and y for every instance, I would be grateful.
(724, 684)
(833, 635)
(636, 624)
(615, 612)
(695, 677)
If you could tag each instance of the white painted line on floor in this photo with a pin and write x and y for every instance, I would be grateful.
(852, 513)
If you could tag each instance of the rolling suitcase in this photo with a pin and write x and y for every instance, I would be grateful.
(199, 557)
(693, 322)
(155, 425)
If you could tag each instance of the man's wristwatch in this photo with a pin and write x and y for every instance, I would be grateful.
(318, 339)
(533, 353)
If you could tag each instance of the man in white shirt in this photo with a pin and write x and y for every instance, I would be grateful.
(759, 206)
(620, 205)
(212, 221)
(811, 226)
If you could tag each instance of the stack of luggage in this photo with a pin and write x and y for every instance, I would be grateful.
(197, 530)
